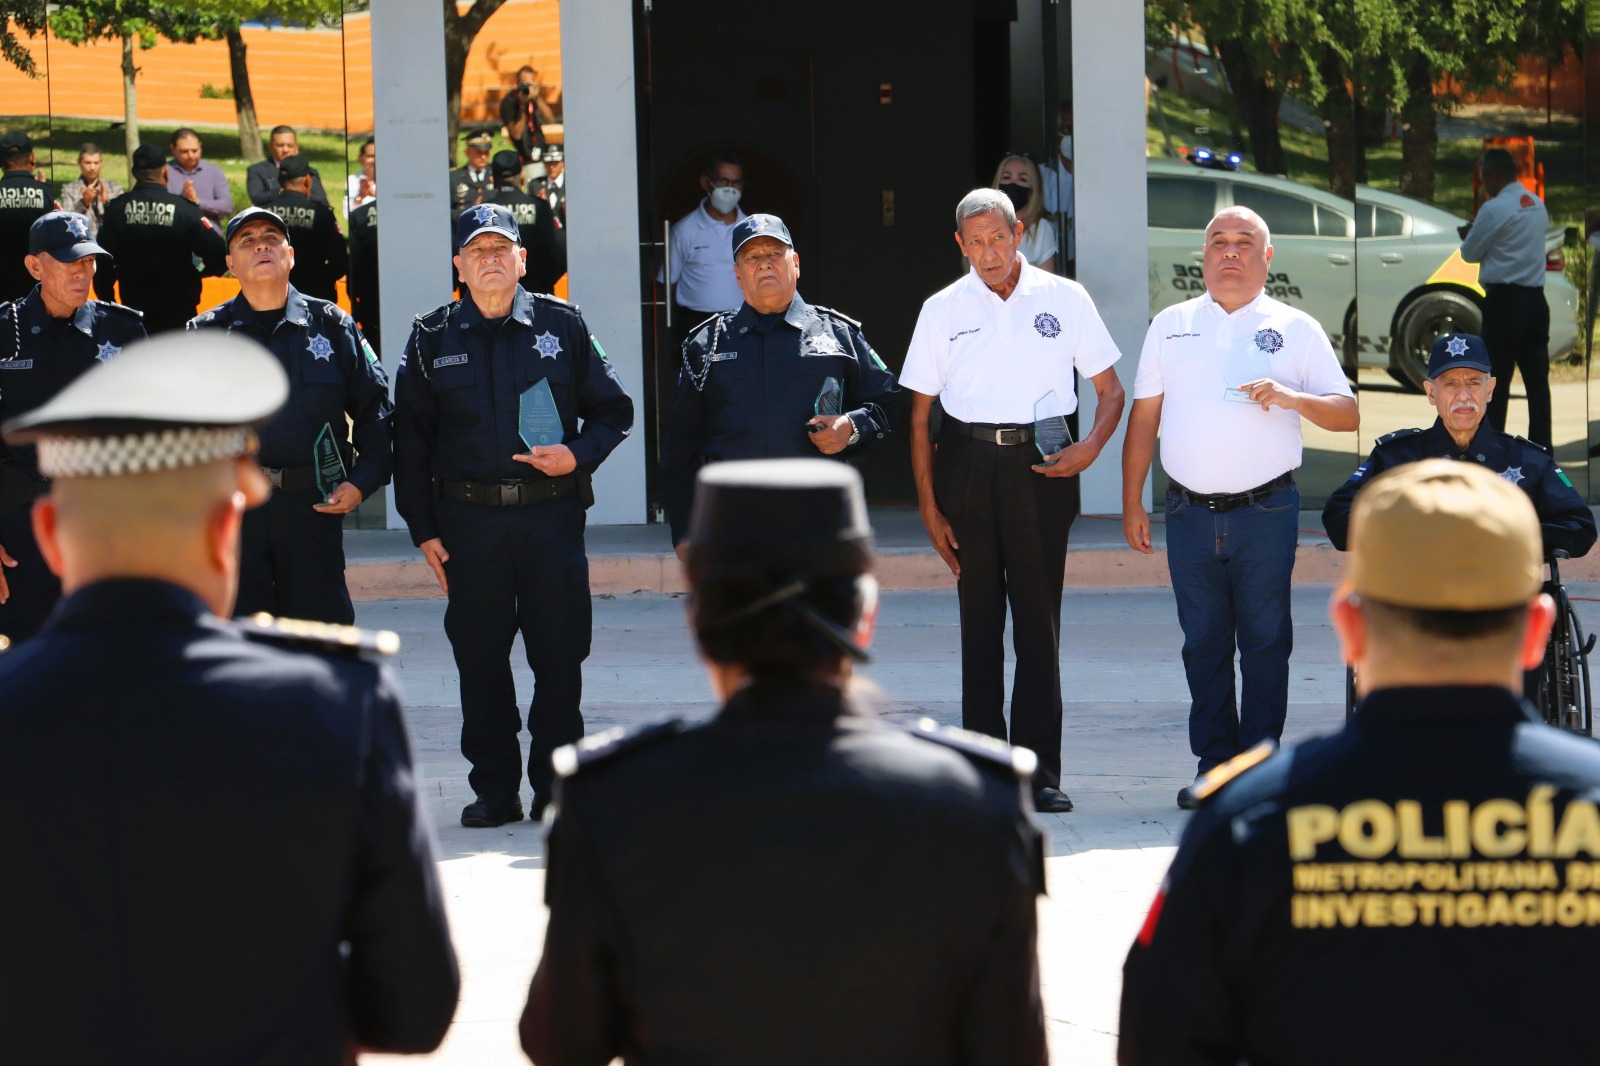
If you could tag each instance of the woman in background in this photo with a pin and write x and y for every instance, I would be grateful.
(1018, 177)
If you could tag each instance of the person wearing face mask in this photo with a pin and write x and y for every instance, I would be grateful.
(1057, 184)
(1460, 384)
(1018, 177)
(701, 259)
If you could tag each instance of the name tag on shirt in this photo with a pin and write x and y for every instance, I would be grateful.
(450, 360)
(721, 357)
(17, 364)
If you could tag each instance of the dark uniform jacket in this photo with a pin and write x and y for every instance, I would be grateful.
(230, 864)
(547, 255)
(467, 191)
(1567, 521)
(806, 885)
(261, 182)
(332, 373)
(22, 201)
(459, 390)
(40, 356)
(1409, 890)
(363, 279)
(749, 385)
(155, 238)
(320, 257)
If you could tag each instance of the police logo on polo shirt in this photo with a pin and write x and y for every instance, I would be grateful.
(1047, 325)
(320, 347)
(1268, 340)
(107, 351)
(548, 344)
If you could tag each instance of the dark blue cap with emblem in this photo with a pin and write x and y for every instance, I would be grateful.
(752, 226)
(63, 236)
(254, 214)
(1458, 350)
(474, 222)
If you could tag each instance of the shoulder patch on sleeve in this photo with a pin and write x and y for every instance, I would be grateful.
(569, 759)
(1532, 444)
(840, 315)
(1218, 776)
(1020, 761)
(1399, 434)
(334, 312)
(318, 636)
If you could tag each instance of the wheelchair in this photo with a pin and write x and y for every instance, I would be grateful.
(1558, 686)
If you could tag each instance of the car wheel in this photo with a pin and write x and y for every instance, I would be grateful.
(1423, 321)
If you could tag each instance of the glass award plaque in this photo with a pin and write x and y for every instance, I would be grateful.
(538, 421)
(830, 401)
(1050, 432)
(327, 461)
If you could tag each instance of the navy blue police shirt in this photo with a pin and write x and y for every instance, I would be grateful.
(749, 386)
(1407, 890)
(333, 373)
(458, 398)
(1567, 522)
(41, 355)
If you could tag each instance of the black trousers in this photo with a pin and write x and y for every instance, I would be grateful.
(1011, 525)
(165, 315)
(34, 589)
(516, 570)
(291, 560)
(1516, 330)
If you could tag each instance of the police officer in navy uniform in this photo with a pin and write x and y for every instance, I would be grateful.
(23, 200)
(293, 546)
(1461, 386)
(500, 519)
(547, 258)
(155, 238)
(363, 279)
(751, 378)
(1413, 888)
(47, 338)
(804, 882)
(320, 256)
(232, 863)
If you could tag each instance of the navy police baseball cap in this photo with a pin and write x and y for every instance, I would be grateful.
(63, 236)
(253, 214)
(474, 222)
(148, 157)
(1458, 349)
(752, 226)
(505, 164)
(15, 143)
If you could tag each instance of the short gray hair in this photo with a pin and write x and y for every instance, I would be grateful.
(981, 202)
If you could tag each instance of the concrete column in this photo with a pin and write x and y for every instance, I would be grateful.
(603, 267)
(410, 123)
(1109, 168)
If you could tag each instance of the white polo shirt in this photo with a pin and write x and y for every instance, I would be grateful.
(990, 360)
(1195, 351)
(702, 262)
(1507, 238)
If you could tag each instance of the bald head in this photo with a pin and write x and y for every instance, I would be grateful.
(1238, 252)
(1240, 218)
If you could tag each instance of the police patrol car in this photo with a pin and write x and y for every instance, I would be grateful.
(1405, 268)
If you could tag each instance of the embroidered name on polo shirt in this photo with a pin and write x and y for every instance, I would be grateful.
(1180, 336)
(957, 336)
(1047, 325)
(450, 360)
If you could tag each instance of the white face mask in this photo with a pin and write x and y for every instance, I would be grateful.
(1066, 146)
(725, 198)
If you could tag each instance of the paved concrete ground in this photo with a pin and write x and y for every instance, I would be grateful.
(1126, 753)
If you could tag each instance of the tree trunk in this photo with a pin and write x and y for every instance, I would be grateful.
(1419, 137)
(459, 31)
(1339, 129)
(130, 99)
(1257, 103)
(244, 100)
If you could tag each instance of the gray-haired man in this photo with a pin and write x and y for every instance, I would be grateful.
(991, 347)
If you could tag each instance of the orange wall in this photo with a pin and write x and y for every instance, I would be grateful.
(298, 76)
(1528, 87)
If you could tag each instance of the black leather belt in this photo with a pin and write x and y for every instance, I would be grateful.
(992, 432)
(1219, 502)
(509, 493)
(291, 477)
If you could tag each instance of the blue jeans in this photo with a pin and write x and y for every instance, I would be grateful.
(1230, 574)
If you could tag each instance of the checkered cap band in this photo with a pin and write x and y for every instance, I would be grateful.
(142, 453)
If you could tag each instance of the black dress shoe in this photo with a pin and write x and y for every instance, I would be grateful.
(483, 813)
(1051, 801)
(1187, 801)
(537, 807)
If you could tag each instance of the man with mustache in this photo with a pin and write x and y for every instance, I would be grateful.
(1461, 385)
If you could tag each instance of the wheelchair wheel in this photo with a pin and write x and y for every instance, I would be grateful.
(1563, 679)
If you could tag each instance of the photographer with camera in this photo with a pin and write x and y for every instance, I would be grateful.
(522, 112)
